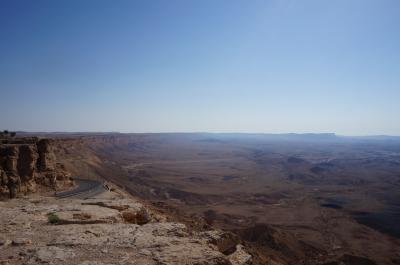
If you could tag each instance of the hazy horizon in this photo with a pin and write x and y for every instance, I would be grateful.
(201, 132)
(201, 66)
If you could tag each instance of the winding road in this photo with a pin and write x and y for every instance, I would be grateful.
(85, 188)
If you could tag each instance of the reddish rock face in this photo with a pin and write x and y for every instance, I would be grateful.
(24, 164)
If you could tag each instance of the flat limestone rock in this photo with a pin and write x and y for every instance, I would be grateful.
(51, 255)
(121, 204)
(95, 232)
(21, 241)
(85, 214)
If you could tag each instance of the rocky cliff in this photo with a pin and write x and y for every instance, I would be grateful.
(111, 228)
(28, 163)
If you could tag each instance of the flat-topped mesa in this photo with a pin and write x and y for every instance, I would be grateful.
(28, 162)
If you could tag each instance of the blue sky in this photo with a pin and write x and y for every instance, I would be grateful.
(209, 65)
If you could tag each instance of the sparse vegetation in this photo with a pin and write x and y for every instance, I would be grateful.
(53, 218)
(7, 134)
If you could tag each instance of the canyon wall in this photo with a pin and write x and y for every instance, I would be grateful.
(28, 163)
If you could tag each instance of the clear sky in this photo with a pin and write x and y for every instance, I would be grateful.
(201, 65)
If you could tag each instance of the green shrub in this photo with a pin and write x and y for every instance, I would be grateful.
(53, 218)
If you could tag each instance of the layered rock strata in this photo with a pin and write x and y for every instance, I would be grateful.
(26, 163)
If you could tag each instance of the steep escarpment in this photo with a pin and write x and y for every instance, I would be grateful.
(250, 191)
(29, 163)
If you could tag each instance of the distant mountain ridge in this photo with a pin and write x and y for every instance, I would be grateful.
(219, 136)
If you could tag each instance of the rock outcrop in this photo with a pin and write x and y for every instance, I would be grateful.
(28, 162)
(96, 231)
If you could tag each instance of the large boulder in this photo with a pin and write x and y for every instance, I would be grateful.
(134, 216)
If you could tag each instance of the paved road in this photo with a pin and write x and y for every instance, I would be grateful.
(85, 188)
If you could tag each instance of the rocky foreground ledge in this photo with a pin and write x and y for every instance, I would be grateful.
(112, 228)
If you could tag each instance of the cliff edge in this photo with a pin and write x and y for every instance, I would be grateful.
(28, 163)
(111, 228)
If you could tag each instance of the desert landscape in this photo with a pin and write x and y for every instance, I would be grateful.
(171, 132)
(311, 198)
(49, 217)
